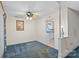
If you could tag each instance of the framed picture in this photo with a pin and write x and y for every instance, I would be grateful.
(19, 25)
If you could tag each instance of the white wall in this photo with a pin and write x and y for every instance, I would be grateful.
(15, 37)
(72, 41)
(1, 32)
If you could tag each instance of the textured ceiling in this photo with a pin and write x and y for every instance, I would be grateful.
(45, 8)
(71, 4)
(18, 8)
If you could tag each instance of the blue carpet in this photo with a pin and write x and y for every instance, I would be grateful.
(74, 53)
(32, 49)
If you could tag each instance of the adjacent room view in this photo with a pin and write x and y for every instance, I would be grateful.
(30, 30)
(39, 29)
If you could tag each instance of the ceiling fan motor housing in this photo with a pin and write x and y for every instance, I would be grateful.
(29, 14)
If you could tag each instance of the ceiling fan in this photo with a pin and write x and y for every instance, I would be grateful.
(30, 15)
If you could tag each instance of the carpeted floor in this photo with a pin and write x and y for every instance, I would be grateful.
(32, 49)
(74, 53)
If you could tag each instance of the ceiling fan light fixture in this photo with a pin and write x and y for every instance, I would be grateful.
(29, 18)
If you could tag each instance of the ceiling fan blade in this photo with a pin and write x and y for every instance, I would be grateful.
(20, 16)
(34, 17)
(36, 13)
